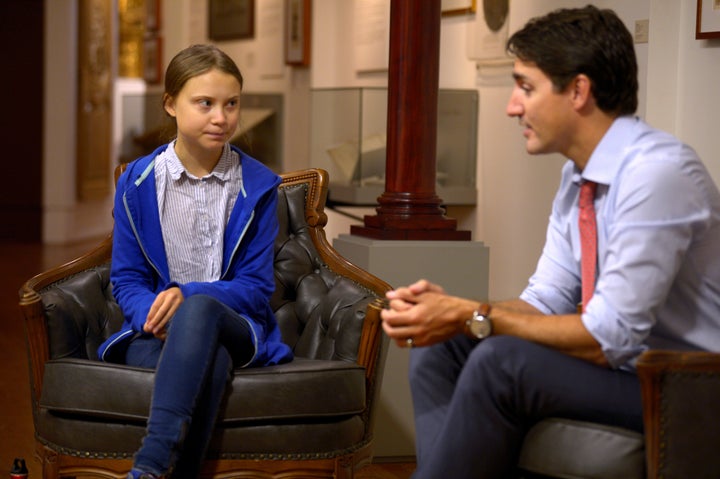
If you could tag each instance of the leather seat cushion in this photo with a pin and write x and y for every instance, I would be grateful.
(569, 449)
(287, 392)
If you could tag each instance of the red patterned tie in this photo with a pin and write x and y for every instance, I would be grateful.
(588, 240)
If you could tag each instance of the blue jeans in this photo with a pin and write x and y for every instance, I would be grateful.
(193, 368)
(474, 402)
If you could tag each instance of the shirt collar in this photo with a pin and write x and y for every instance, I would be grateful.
(606, 159)
(223, 170)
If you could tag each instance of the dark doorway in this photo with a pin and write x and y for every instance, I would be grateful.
(21, 119)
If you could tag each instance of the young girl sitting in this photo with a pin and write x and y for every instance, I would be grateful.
(192, 264)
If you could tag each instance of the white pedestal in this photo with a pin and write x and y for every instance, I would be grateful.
(461, 267)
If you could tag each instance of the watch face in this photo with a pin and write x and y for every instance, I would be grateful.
(480, 327)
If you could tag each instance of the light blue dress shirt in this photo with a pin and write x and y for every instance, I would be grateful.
(658, 215)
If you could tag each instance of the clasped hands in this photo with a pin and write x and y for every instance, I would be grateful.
(422, 314)
(162, 311)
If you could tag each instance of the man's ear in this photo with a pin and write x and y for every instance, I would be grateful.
(581, 93)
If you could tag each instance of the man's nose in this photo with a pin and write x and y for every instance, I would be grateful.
(514, 107)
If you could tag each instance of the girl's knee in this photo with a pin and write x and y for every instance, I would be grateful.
(201, 303)
(197, 311)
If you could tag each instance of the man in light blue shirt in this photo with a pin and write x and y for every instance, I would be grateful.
(483, 373)
(658, 215)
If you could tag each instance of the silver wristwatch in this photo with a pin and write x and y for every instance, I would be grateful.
(480, 326)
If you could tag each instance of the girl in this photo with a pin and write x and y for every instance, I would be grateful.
(192, 263)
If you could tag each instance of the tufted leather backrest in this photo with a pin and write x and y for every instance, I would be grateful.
(320, 313)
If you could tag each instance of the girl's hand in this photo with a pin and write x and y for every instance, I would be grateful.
(162, 311)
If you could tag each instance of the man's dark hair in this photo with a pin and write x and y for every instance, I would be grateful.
(590, 41)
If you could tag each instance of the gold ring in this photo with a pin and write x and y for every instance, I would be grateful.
(409, 342)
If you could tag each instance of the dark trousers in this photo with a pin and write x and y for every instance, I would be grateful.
(474, 402)
(194, 366)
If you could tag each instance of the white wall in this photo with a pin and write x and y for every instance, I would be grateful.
(697, 98)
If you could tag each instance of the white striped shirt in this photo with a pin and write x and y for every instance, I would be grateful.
(194, 212)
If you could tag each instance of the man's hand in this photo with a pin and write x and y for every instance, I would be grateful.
(424, 313)
(162, 311)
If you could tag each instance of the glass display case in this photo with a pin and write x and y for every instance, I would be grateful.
(349, 141)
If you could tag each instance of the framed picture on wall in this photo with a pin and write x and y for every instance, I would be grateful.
(458, 7)
(231, 19)
(297, 32)
(707, 24)
(152, 17)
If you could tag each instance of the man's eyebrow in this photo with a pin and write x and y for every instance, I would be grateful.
(518, 76)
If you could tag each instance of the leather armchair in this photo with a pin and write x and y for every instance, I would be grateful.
(681, 401)
(312, 417)
(680, 393)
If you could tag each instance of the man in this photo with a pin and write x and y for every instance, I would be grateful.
(482, 374)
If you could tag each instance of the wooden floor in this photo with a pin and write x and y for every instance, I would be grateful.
(20, 262)
(386, 471)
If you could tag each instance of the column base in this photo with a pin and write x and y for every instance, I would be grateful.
(410, 234)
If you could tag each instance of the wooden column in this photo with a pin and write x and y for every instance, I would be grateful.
(409, 209)
(94, 112)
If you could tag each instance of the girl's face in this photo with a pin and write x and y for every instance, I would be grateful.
(207, 111)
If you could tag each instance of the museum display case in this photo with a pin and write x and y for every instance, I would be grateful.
(349, 138)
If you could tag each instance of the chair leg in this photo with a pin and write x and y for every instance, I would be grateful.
(344, 467)
(48, 460)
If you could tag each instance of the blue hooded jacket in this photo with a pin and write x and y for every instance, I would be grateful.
(140, 269)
